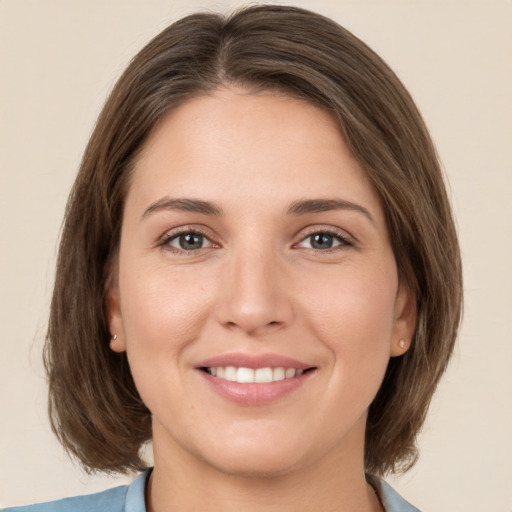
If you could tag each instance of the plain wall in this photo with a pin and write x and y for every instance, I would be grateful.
(58, 61)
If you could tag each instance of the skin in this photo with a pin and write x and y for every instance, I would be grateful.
(257, 285)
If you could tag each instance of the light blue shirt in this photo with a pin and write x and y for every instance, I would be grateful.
(131, 499)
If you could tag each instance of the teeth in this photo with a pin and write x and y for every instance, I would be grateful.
(245, 375)
(230, 373)
(278, 374)
(249, 375)
(263, 375)
(290, 372)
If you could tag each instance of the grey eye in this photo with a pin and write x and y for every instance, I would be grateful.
(322, 241)
(189, 241)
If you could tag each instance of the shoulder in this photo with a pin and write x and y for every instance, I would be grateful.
(112, 500)
(391, 500)
(119, 499)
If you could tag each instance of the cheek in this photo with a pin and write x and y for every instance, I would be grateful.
(160, 302)
(162, 314)
(352, 314)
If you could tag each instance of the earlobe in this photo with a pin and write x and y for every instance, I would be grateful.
(399, 347)
(404, 322)
(114, 318)
(117, 343)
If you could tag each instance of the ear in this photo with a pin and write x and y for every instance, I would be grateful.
(114, 318)
(404, 323)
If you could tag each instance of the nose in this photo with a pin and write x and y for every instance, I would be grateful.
(255, 298)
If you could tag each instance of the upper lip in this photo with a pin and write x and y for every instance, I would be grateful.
(253, 361)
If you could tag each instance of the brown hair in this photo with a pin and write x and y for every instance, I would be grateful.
(94, 406)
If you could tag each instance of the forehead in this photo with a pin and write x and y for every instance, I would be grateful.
(248, 146)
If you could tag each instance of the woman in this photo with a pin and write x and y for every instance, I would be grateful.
(258, 271)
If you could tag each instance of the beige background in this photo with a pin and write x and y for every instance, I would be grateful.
(58, 60)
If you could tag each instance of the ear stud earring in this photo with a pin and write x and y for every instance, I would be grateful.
(402, 343)
(114, 338)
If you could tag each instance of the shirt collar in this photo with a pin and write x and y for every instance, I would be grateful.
(135, 496)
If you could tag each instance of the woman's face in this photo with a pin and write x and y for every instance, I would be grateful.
(257, 294)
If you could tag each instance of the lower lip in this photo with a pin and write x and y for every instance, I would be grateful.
(253, 393)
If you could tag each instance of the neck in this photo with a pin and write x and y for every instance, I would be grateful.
(182, 482)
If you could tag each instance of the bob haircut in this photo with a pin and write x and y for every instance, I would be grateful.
(95, 409)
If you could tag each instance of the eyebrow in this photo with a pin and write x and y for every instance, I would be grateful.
(305, 206)
(185, 205)
(300, 207)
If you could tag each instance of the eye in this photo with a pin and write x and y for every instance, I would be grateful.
(324, 240)
(188, 241)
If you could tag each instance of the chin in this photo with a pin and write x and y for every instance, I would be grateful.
(258, 455)
(256, 465)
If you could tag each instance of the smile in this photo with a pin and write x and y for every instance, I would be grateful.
(253, 376)
(254, 379)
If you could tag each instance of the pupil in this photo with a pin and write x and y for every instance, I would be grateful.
(191, 241)
(322, 241)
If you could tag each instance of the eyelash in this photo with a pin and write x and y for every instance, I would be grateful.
(169, 237)
(343, 240)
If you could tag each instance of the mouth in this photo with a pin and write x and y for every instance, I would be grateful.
(255, 379)
(246, 375)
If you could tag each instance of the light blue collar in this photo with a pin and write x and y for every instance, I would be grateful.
(135, 496)
(391, 500)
